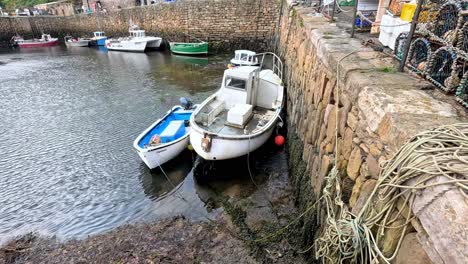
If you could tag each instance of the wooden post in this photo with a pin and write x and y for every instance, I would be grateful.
(382, 8)
(333, 11)
(353, 23)
(414, 22)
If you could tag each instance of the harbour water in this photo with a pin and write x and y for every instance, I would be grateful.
(68, 118)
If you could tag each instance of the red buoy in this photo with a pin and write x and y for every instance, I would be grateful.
(279, 140)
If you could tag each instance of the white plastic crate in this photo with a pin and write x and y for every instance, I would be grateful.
(384, 38)
(387, 23)
(240, 114)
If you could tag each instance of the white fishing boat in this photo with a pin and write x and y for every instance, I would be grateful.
(166, 138)
(242, 114)
(76, 42)
(244, 58)
(137, 41)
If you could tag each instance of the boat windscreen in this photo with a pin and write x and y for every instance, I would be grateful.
(235, 82)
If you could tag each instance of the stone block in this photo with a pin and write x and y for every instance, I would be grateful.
(326, 165)
(373, 167)
(347, 145)
(375, 149)
(366, 190)
(356, 191)
(411, 251)
(354, 163)
(388, 241)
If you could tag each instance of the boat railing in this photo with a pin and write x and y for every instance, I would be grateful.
(276, 63)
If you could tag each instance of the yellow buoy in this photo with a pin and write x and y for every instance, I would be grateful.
(190, 147)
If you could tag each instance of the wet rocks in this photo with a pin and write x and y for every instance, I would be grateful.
(170, 241)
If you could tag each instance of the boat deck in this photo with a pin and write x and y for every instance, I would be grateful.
(261, 117)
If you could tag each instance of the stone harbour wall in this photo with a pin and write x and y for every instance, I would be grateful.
(379, 110)
(225, 24)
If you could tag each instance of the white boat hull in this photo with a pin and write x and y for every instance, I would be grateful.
(154, 44)
(156, 157)
(135, 45)
(79, 43)
(228, 148)
(126, 45)
(241, 116)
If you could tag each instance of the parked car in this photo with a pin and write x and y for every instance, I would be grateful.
(25, 12)
(3, 13)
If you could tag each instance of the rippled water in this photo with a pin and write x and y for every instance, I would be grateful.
(68, 119)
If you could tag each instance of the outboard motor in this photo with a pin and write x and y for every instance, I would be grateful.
(186, 103)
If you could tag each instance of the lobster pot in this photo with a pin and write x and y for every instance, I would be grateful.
(459, 70)
(419, 54)
(440, 67)
(462, 42)
(400, 45)
(446, 20)
(429, 12)
(462, 91)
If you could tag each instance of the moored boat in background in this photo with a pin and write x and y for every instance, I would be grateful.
(137, 41)
(244, 58)
(242, 114)
(99, 39)
(76, 42)
(45, 41)
(167, 137)
(184, 48)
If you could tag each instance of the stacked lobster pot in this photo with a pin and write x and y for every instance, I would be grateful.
(439, 49)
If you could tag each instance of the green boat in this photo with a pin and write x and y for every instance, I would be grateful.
(200, 48)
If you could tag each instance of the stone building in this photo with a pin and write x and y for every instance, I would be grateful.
(60, 8)
(108, 5)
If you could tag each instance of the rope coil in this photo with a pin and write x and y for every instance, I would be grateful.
(427, 157)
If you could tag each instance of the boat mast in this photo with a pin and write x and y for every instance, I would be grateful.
(97, 18)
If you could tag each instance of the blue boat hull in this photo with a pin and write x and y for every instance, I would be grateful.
(172, 131)
(99, 42)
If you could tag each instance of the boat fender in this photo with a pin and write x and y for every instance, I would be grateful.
(279, 140)
(185, 103)
(206, 144)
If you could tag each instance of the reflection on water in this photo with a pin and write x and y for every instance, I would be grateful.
(160, 182)
(68, 120)
(201, 61)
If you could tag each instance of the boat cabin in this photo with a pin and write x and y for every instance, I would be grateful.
(249, 85)
(137, 33)
(99, 34)
(248, 98)
(46, 37)
(244, 57)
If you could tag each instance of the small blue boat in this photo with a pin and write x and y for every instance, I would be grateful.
(167, 137)
(99, 39)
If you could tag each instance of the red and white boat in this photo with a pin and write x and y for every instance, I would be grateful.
(45, 41)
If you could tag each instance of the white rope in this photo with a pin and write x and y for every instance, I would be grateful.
(442, 152)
